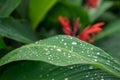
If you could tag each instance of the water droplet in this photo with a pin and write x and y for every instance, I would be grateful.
(95, 59)
(69, 56)
(59, 50)
(91, 67)
(45, 49)
(74, 43)
(36, 42)
(66, 79)
(91, 48)
(62, 40)
(98, 53)
(40, 76)
(86, 76)
(71, 67)
(65, 43)
(53, 79)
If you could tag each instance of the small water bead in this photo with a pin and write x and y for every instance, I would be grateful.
(91, 48)
(49, 58)
(65, 43)
(51, 49)
(98, 53)
(89, 55)
(53, 79)
(46, 49)
(102, 78)
(91, 67)
(82, 51)
(95, 74)
(69, 56)
(71, 67)
(95, 60)
(54, 46)
(37, 55)
(108, 61)
(66, 79)
(74, 43)
(86, 76)
(59, 50)
(71, 38)
(50, 55)
(36, 42)
(40, 76)
(62, 40)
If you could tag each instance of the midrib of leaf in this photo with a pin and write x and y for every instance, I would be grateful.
(88, 61)
(109, 68)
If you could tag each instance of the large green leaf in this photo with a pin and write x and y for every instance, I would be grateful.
(16, 30)
(38, 10)
(31, 70)
(63, 51)
(8, 7)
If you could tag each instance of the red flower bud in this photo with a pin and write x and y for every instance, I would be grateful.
(92, 3)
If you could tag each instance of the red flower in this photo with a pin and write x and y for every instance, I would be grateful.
(92, 3)
(88, 34)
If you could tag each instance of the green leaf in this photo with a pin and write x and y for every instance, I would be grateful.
(66, 9)
(31, 70)
(109, 29)
(114, 46)
(22, 9)
(8, 7)
(16, 30)
(110, 36)
(96, 13)
(77, 2)
(38, 10)
(2, 44)
(64, 51)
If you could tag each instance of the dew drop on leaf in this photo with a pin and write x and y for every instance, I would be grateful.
(74, 43)
(66, 79)
(59, 50)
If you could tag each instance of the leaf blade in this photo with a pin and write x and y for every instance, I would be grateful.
(38, 10)
(76, 52)
(9, 7)
(44, 71)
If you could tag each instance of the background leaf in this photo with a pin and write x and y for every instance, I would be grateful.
(65, 9)
(2, 44)
(9, 7)
(69, 51)
(96, 13)
(16, 30)
(31, 70)
(77, 2)
(38, 10)
(110, 36)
